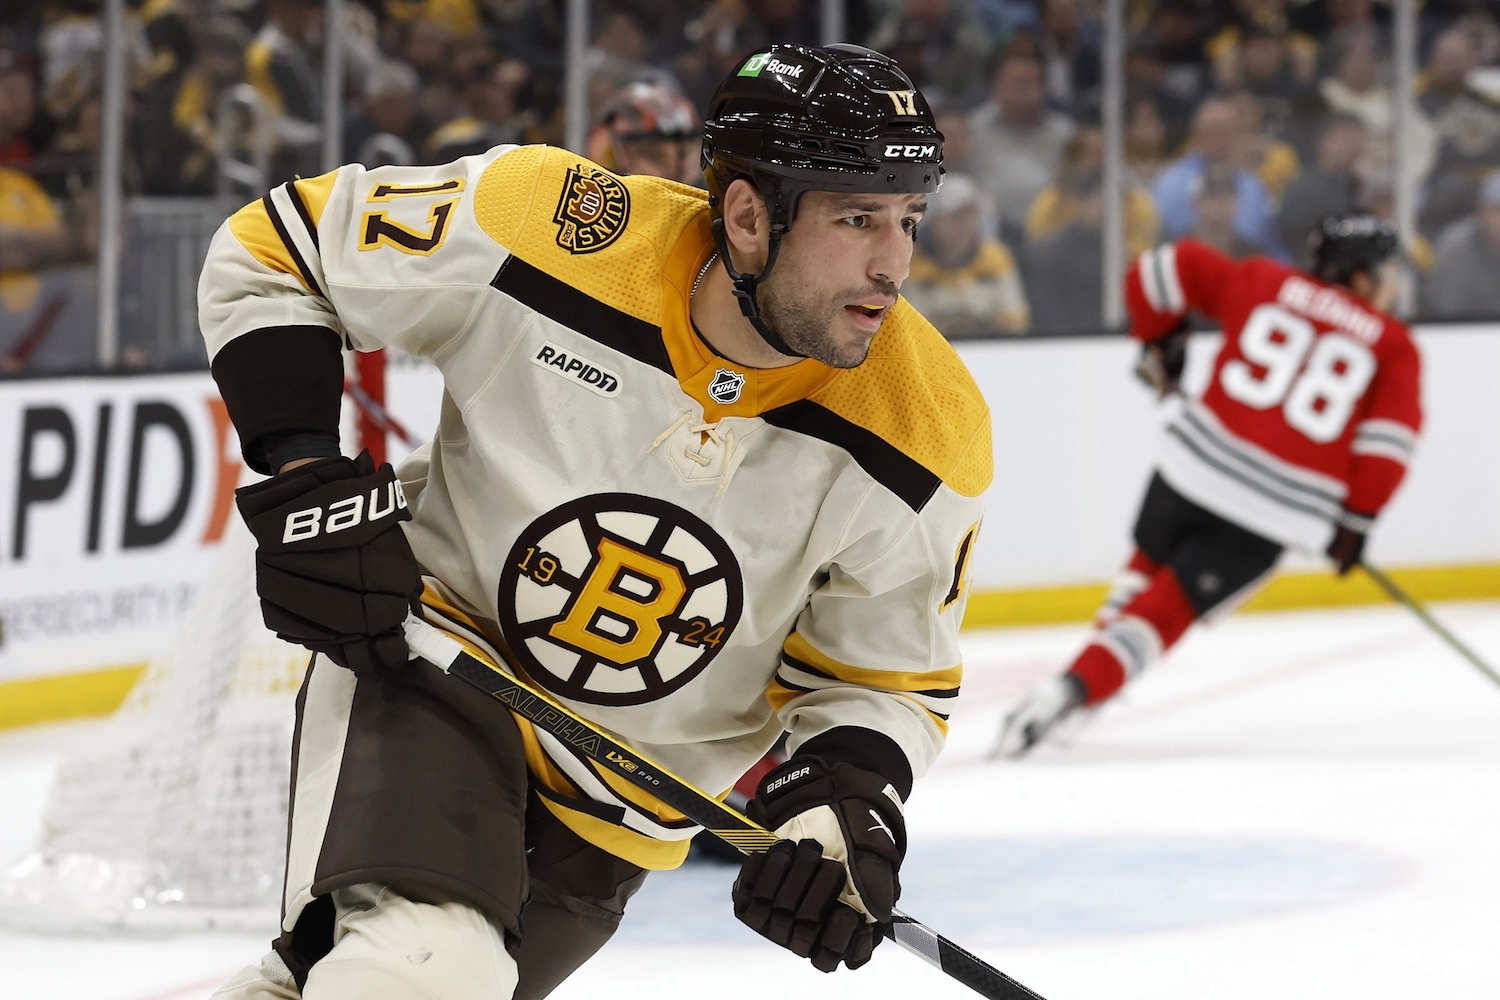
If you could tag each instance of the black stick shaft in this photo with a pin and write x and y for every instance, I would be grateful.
(1400, 596)
(724, 822)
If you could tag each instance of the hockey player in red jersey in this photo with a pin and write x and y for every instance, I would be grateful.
(1301, 437)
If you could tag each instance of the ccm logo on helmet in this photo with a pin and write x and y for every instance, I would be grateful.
(312, 522)
(895, 151)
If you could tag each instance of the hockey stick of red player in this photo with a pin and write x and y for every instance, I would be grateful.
(724, 822)
(1402, 597)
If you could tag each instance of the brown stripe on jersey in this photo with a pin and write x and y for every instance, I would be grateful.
(807, 668)
(881, 460)
(578, 803)
(563, 303)
(303, 213)
(286, 238)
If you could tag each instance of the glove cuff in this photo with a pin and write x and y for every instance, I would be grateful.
(289, 446)
(805, 783)
(280, 379)
(1355, 521)
(865, 749)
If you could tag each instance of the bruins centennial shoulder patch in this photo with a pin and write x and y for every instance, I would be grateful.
(592, 211)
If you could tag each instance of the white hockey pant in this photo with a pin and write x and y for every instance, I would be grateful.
(388, 947)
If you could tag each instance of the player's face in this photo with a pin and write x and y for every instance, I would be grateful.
(840, 267)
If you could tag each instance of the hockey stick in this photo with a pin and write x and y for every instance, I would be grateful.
(26, 344)
(378, 414)
(1402, 597)
(724, 822)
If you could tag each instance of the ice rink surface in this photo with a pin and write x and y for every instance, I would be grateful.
(1303, 806)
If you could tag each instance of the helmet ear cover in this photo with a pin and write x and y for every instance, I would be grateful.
(743, 283)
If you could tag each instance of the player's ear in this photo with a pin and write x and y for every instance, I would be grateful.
(746, 225)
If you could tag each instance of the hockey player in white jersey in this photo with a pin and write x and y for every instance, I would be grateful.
(700, 473)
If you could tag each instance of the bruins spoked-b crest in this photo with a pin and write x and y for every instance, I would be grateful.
(619, 599)
(592, 210)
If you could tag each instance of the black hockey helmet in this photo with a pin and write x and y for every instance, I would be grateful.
(1352, 241)
(793, 119)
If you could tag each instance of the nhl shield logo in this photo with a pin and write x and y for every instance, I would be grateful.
(726, 386)
(592, 210)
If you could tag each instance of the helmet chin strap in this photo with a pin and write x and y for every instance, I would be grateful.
(744, 286)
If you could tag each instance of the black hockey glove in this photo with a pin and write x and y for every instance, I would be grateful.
(824, 890)
(1161, 362)
(332, 566)
(1348, 545)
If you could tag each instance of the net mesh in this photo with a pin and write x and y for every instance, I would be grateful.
(174, 817)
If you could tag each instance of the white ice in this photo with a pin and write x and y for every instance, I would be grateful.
(1299, 805)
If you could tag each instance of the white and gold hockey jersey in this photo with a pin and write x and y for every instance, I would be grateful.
(693, 554)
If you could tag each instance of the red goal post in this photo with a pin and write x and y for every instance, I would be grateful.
(173, 816)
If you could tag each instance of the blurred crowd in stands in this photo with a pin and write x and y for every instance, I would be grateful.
(1245, 121)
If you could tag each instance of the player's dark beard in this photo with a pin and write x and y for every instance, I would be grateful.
(804, 319)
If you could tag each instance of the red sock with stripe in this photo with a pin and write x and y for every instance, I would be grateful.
(1163, 607)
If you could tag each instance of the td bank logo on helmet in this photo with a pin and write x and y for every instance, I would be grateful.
(764, 61)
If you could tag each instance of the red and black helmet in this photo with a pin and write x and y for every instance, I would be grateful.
(645, 110)
(647, 127)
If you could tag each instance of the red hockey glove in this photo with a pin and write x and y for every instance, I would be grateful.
(1348, 545)
(332, 565)
(1161, 362)
(826, 887)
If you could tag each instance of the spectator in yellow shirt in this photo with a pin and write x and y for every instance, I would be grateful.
(32, 237)
(1273, 161)
(962, 279)
(459, 17)
(1059, 202)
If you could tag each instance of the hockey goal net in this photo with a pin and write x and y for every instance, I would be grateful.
(173, 815)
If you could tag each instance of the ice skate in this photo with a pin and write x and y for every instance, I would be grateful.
(1035, 717)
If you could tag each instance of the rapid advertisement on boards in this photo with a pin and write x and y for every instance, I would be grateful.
(114, 495)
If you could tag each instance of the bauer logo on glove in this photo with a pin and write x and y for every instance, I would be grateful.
(302, 525)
